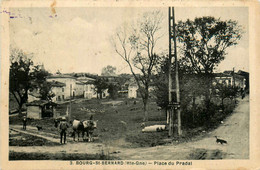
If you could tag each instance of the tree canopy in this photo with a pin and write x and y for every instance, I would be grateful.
(25, 76)
(108, 71)
(204, 41)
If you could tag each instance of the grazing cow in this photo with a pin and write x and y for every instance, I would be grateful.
(87, 126)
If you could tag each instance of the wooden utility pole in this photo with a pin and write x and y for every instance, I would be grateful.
(177, 77)
(234, 77)
(174, 107)
(70, 101)
(170, 109)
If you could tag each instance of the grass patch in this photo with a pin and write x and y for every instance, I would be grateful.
(20, 139)
(122, 122)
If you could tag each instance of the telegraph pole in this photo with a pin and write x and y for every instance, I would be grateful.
(177, 77)
(174, 107)
(170, 109)
(234, 77)
(70, 101)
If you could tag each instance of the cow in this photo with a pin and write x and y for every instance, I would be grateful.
(87, 126)
(77, 127)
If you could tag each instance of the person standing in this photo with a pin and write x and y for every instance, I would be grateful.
(63, 128)
(24, 122)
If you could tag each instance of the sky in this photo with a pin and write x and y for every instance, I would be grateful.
(78, 39)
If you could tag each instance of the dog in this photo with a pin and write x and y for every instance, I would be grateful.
(221, 141)
(39, 128)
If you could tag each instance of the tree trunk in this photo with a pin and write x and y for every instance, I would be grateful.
(193, 106)
(145, 101)
(20, 109)
(222, 103)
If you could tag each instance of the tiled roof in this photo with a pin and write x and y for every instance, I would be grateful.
(80, 82)
(61, 76)
(35, 94)
(57, 84)
(221, 75)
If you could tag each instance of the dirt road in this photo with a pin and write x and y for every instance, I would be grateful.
(235, 130)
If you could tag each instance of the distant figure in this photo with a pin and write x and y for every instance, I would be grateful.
(125, 102)
(24, 122)
(63, 128)
(56, 123)
(243, 94)
(134, 102)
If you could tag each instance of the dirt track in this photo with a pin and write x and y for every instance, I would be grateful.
(235, 130)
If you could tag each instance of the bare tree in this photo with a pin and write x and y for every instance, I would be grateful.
(135, 44)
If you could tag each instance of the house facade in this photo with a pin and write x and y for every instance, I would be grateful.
(87, 87)
(58, 89)
(132, 90)
(66, 91)
(89, 90)
(39, 109)
(230, 79)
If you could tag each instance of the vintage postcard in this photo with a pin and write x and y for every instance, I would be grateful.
(129, 85)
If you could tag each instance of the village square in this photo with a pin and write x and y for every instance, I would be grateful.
(163, 84)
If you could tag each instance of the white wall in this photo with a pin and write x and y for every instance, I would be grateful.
(34, 112)
(132, 91)
(68, 82)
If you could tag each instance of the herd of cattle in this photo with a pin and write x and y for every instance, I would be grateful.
(81, 127)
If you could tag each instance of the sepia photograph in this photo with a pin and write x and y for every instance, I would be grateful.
(97, 85)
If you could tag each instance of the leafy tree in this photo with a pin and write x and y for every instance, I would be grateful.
(20, 76)
(108, 71)
(225, 91)
(204, 43)
(205, 40)
(113, 90)
(100, 86)
(24, 76)
(192, 86)
(45, 91)
(135, 45)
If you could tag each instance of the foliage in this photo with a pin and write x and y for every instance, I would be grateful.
(100, 86)
(24, 76)
(20, 76)
(205, 40)
(135, 44)
(108, 71)
(45, 91)
(225, 91)
(113, 90)
(196, 110)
